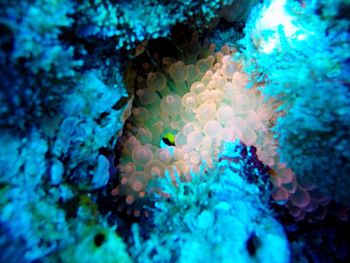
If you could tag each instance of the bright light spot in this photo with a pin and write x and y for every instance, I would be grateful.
(274, 16)
(301, 37)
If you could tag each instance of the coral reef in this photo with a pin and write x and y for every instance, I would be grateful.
(174, 131)
(218, 216)
(37, 66)
(128, 22)
(313, 93)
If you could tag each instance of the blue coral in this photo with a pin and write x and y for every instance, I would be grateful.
(213, 217)
(129, 22)
(37, 65)
(308, 80)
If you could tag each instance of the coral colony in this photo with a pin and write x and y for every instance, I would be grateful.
(175, 131)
